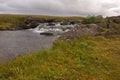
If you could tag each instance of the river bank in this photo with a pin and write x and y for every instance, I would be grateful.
(85, 58)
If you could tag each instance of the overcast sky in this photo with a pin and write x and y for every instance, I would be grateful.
(61, 7)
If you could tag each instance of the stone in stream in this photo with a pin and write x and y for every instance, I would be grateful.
(47, 33)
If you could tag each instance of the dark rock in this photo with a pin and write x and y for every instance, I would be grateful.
(117, 20)
(113, 24)
(111, 32)
(52, 20)
(47, 33)
(113, 20)
(65, 23)
(34, 22)
(72, 23)
(51, 24)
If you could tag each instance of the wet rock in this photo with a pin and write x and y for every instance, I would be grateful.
(47, 33)
(65, 23)
(34, 22)
(31, 23)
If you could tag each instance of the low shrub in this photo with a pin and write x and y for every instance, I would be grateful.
(92, 19)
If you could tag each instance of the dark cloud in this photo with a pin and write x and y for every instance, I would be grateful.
(61, 7)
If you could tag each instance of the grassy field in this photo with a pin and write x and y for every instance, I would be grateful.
(86, 58)
(10, 21)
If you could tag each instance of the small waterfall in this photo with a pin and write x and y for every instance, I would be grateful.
(55, 28)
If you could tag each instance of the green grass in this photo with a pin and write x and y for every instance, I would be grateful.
(11, 18)
(61, 18)
(86, 58)
(4, 26)
(10, 21)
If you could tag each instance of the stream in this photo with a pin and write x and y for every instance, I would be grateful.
(14, 43)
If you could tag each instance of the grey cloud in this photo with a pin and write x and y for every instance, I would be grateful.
(61, 7)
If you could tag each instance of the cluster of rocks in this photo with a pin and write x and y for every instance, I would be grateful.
(76, 32)
(111, 26)
(30, 23)
(34, 22)
(113, 23)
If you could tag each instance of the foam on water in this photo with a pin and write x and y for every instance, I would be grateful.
(41, 28)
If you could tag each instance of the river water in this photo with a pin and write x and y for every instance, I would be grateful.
(13, 43)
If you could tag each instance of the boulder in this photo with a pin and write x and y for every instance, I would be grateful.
(78, 31)
(47, 33)
(113, 24)
(111, 32)
(116, 20)
(34, 22)
(52, 20)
